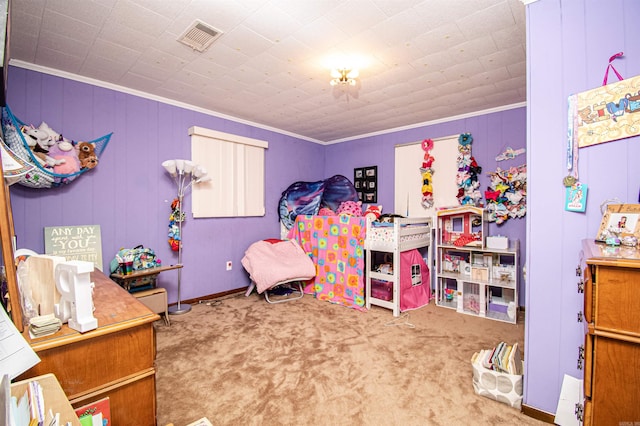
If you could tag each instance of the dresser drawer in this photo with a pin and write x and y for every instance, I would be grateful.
(89, 364)
(615, 301)
(612, 382)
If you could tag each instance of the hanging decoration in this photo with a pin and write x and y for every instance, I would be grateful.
(426, 171)
(576, 191)
(608, 112)
(468, 171)
(506, 197)
(175, 218)
(509, 154)
(49, 159)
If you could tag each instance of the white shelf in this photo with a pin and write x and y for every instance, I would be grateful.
(489, 288)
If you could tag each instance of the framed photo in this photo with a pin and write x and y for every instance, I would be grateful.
(620, 220)
(365, 180)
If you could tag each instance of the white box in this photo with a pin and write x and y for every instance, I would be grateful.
(500, 243)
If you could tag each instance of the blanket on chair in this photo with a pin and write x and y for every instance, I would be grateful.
(270, 264)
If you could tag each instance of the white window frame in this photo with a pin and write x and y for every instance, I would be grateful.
(236, 166)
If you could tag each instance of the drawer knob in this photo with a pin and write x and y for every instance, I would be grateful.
(579, 411)
(580, 356)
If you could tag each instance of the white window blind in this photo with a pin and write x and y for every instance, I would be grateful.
(236, 166)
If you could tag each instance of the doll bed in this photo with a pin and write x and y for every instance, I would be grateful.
(275, 263)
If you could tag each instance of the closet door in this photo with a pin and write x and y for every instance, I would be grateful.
(408, 178)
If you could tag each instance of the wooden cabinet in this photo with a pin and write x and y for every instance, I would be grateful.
(612, 334)
(115, 360)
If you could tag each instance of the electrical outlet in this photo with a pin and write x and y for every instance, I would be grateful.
(229, 265)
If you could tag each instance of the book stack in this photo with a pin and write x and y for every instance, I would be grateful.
(503, 358)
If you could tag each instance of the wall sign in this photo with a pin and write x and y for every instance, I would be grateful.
(365, 180)
(75, 243)
(606, 113)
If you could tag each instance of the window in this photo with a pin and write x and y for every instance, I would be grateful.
(236, 166)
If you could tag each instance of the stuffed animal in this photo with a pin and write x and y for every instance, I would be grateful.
(351, 208)
(53, 135)
(40, 144)
(87, 155)
(326, 211)
(372, 212)
(63, 150)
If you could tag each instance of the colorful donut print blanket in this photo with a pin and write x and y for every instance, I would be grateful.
(336, 246)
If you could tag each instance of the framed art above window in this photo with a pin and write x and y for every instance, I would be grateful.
(365, 180)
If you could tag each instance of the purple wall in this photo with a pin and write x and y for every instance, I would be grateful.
(129, 194)
(569, 45)
(492, 133)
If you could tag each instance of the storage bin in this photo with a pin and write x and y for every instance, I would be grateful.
(502, 387)
(381, 289)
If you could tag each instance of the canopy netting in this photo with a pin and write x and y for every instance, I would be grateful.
(47, 159)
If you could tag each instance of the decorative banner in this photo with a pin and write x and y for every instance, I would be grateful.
(606, 113)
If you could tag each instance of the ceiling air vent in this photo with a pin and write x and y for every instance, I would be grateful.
(199, 36)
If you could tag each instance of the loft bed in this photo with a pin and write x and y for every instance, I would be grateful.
(395, 285)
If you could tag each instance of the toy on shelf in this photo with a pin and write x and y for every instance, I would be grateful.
(462, 226)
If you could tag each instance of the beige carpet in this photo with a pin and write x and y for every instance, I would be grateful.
(242, 361)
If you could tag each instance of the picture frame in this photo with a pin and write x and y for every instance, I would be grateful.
(365, 180)
(619, 220)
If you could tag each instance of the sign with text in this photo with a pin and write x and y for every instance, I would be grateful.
(75, 243)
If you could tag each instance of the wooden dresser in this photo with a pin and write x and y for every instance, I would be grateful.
(114, 360)
(612, 335)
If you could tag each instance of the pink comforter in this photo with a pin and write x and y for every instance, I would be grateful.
(269, 264)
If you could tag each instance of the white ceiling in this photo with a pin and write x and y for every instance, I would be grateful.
(422, 61)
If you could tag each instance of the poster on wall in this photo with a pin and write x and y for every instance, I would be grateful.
(606, 113)
(365, 180)
(75, 243)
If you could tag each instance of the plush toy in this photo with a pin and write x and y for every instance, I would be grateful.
(372, 212)
(63, 150)
(40, 144)
(351, 208)
(87, 155)
(326, 211)
(54, 136)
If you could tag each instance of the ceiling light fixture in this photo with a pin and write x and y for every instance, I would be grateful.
(344, 76)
